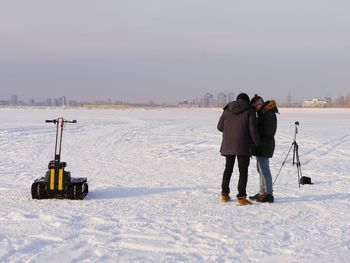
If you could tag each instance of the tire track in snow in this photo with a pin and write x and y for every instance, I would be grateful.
(106, 151)
(323, 149)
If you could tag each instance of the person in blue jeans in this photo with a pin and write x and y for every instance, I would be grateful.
(267, 126)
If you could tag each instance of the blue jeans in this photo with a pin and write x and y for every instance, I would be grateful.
(263, 167)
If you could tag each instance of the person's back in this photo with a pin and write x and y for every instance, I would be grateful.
(239, 127)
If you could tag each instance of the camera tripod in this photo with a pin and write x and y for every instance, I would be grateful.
(296, 160)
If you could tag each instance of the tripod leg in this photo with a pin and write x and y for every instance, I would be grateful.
(283, 163)
(298, 165)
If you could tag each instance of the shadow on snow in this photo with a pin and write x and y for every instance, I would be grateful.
(122, 192)
(313, 198)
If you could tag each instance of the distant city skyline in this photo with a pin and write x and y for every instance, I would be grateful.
(206, 100)
(167, 51)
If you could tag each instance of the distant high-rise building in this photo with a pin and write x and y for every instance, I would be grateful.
(56, 102)
(31, 102)
(63, 101)
(207, 100)
(14, 100)
(222, 99)
(231, 97)
(49, 102)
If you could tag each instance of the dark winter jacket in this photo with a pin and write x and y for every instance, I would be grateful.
(238, 124)
(267, 126)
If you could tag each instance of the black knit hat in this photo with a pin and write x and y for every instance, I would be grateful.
(255, 99)
(243, 96)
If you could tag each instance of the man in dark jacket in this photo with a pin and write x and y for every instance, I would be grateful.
(267, 126)
(239, 127)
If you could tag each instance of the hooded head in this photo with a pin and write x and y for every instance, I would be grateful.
(241, 104)
(243, 96)
(255, 99)
(257, 102)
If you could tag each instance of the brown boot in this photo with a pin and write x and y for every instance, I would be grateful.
(243, 201)
(225, 198)
(258, 196)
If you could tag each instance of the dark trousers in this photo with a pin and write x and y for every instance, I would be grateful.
(243, 163)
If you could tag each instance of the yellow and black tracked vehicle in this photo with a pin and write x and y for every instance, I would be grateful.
(57, 182)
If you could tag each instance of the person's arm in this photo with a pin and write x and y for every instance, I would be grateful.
(253, 129)
(269, 126)
(220, 125)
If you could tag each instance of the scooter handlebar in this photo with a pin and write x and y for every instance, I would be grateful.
(57, 120)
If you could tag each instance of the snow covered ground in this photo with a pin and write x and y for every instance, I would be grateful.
(154, 178)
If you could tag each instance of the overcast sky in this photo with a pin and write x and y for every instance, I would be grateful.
(171, 50)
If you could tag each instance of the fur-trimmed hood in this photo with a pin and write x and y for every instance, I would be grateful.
(269, 105)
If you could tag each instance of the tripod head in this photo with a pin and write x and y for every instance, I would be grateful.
(296, 130)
